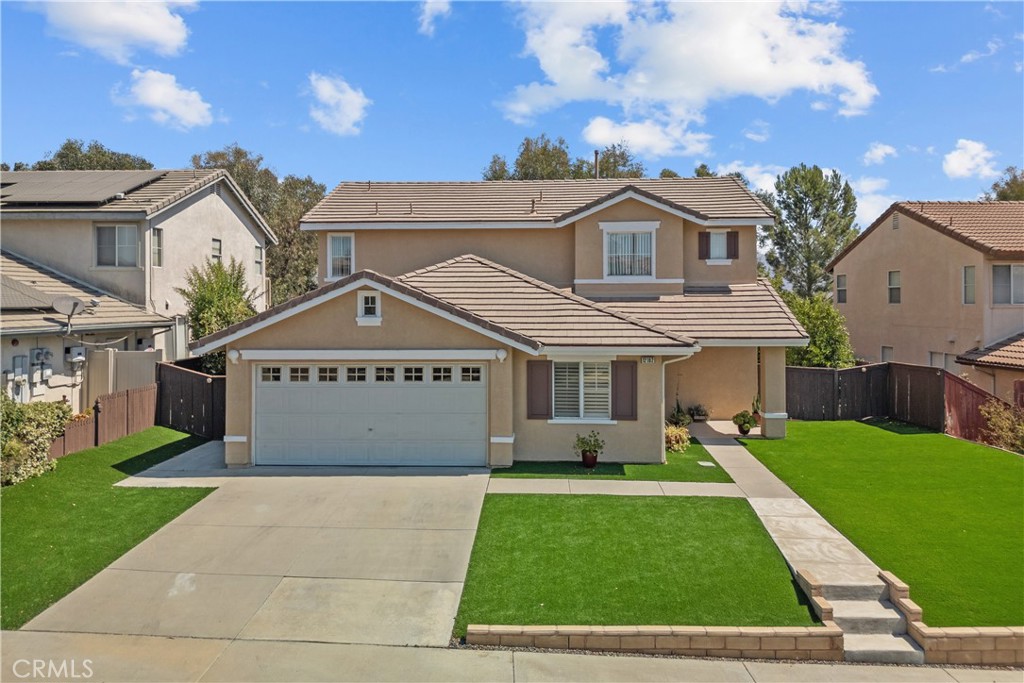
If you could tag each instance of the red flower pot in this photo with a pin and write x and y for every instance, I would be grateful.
(589, 459)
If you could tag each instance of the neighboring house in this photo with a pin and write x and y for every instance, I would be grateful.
(1003, 362)
(135, 234)
(928, 282)
(44, 358)
(485, 322)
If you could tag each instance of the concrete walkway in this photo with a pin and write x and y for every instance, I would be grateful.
(612, 487)
(147, 658)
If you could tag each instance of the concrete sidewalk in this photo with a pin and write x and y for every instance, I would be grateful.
(148, 658)
(613, 487)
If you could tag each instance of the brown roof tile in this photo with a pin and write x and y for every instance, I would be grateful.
(995, 228)
(1008, 353)
(531, 201)
(112, 312)
(732, 312)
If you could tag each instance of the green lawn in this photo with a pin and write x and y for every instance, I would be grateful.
(680, 467)
(944, 515)
(59, 529)
(609, 560)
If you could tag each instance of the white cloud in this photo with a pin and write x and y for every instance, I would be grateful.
(168, 102)
(430, 12)
(670, 61)
(339, 107)
(877, 153)
(871, 200)
(761, 176)
(758, 131)
(647, 138)
(116, 30)
(991, 47)
(970, 159)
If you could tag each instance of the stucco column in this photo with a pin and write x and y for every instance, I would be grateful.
(500, 401)
(773, 392)
(237, 414)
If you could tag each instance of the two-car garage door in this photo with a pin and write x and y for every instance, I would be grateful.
(386, 414)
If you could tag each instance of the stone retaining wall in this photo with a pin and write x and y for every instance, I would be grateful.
(996, 645)
(823, 643)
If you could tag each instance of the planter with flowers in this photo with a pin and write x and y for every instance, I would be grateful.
(588, 448)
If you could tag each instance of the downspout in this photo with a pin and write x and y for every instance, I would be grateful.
(663, 364)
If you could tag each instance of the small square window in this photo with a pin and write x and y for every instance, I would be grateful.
(442, 374)
(887, 354)
(384, 374)
(369, 306)
(471, 374)
(270, 374)
(298, 374)
(355, 374)
(327, 374)
(413, 374)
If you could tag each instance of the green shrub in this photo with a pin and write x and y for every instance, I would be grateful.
(679, 417)
(677, 439)
(27, 432)
(1005, 425)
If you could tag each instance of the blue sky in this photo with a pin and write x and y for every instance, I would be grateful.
(908, 100)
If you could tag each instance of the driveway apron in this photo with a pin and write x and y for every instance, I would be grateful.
(345, 555)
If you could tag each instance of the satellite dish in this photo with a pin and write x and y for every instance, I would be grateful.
(68, 305)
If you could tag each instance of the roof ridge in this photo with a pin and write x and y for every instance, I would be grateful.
(572, 296)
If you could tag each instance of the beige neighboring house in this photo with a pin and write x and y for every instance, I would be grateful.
(45, 359)
(481, 323)
(135, 234)
(941, 284)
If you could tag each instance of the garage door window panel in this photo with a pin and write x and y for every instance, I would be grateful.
(270, 374)
(327, 375)
(442, 374)
(384, 374)
(298, 374)
(355, 374)
(472, 374)
(412, 374)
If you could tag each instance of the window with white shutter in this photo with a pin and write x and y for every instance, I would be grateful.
(582, 390)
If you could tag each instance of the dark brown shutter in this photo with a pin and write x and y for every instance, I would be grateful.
(732, 244)
(704, 246)
(623, 389)
(538, 390)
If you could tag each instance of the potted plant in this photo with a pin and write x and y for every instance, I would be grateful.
(699, 412)
(588, 448)
(679, 417)
(755, 408)
(745, 421)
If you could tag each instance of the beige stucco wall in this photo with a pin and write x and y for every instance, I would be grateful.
(543, 253)
(331, 325)
(722, 378)
(931, 315)
(69, 246)
(742, 269)
(189, 229)
(640, 440)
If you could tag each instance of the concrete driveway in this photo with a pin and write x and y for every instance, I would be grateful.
(334, 555)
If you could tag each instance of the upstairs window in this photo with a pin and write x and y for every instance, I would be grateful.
(840, 289)
(158, 247)
(1008, 284)
(369, 308)
(339, 255)
(969, 284)
(259, 260)
(630, 254)
(217, 250)
(117, 246)
(895, 294)
(718, 247)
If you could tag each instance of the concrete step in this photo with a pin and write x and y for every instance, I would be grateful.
(881, 649)
(868, 616)
(855, 590)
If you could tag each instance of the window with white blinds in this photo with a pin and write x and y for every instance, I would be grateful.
(630, 254)
(582, 390)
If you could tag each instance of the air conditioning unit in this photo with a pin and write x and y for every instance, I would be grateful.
(74, 354)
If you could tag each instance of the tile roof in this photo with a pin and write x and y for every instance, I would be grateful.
(77, 191)
(731, 312)
(517, 307)
(526, 201)
(112, 313)
(995, 228)
(17, 296)
(1008, 353)
(533, 308)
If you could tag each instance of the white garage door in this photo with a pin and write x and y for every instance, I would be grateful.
(393, 414)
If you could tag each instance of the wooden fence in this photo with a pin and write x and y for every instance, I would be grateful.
(191, 401)
(918, 394)
(113, 416)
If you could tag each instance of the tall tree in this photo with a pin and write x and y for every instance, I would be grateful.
(668, 173)
(216, 296)
(615, 161)
(292, 262)
(1009, 187)
(829, 345)
(257, 181)
(542, 158)
(75, 155)
(814, 222)
(497, 169)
